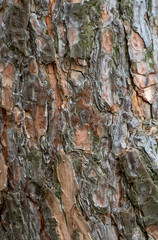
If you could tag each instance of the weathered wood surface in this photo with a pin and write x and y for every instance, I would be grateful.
(79, 119)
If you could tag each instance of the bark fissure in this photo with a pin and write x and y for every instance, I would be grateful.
(78, 120)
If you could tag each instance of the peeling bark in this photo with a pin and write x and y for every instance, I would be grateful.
(78, 120)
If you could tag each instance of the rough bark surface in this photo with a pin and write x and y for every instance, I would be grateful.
(79, 119)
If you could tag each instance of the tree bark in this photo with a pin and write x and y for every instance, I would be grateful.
(78, 119)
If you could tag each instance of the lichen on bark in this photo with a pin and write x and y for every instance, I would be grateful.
(78, 120)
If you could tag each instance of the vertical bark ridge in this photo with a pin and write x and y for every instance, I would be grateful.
(78, 120)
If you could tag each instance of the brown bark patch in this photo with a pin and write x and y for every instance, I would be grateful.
(48, 18)
(56, 211)
(29, 128)
(137, 42)
(7, 84)
(69, 188)
(99, 131)
(114, 108)
(17, 115)
(107, 41)
(7, 100)
(80, 223)
(34, 67)
(73, 36)
(2, 66)
(92, 174)
(145, 107)
(53, 82)
(82, 138)
(17, 118)
(135, 105)
(142, 81)
(58, 101)
(4, 134)
(127, 26)
(142, 68)
(66, 175)
(105, 16)
(148, 94)
(136, 47)
(80, 66)
(9, 71)
(40, 120)
(153, 231)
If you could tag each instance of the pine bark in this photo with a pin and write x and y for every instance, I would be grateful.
(79, 120)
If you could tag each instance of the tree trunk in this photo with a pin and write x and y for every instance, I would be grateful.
(79, 119)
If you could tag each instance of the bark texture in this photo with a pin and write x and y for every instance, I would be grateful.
(79, 119)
